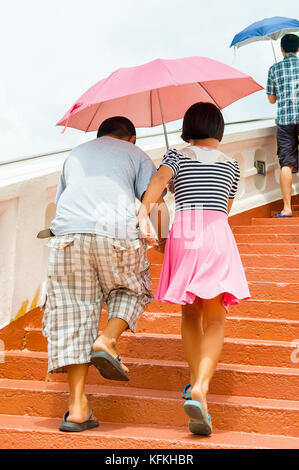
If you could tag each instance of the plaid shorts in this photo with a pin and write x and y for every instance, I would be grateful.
(84, 272)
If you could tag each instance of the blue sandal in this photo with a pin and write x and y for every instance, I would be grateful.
(200, 422)
(187, 395)
(280, 216)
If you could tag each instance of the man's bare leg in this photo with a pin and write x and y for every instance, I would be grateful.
(286, 189)
(108, 339)
(78, 404)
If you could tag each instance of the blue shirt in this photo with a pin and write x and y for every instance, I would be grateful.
(283, 82)
(98, 187)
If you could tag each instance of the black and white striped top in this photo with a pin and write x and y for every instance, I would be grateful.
(203, 177)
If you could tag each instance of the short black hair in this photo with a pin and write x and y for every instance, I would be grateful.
(290, 43)
(118, 125)
(203, 121)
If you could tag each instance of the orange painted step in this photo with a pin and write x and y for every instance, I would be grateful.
(292, 238)
(272, 274)
(235, 327)
(170, 323)
(152, 407)
(253, 307)
(27, 432)
(273, 228)
(276, 221)
(263, 244)
(240, 351)
(162, 318)
(169, 348)
(268, 248)
(283, 264)
(253, 273)
(268, 261)
(288, 291)
(274, 309)
(229, 379)
(274, 290)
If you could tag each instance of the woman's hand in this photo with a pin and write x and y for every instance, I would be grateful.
(160, 246)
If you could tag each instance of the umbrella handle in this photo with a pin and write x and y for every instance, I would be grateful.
(163, 121)
(273, 51)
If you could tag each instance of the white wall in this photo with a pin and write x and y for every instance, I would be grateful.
(27, 194)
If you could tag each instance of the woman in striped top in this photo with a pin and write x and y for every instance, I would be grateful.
(202, 269)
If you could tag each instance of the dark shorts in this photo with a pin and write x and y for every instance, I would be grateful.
(287, 145)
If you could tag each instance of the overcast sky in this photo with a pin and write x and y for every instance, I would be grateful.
(52, 51)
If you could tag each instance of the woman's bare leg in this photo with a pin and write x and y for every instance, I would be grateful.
(191, 335)
(203, 336)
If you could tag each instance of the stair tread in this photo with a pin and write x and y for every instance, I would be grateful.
(141, 435)
(104, 390)
(250, 368)
(154, 315)
(245, 341)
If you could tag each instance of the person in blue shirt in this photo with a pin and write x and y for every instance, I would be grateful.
(97, 257)
(283, 89)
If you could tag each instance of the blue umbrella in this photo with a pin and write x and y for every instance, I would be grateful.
(267, 29)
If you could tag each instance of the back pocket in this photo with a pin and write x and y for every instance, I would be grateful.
(62, 256)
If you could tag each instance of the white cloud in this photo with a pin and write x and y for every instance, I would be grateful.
(53, 51)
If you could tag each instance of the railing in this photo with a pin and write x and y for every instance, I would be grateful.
(27, 194)
(147, 136)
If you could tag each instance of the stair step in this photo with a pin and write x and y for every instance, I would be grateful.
(269, 261)
(262, 308)
(253, 319)
(229, 379)
(270, 228)
(292, 238)
(28, 432)
(268, 248)
(274, 290)
(259, 273)
(273, 274)
(279, 265)
(170, 323)
(169, 348)
(288, 291)
(254, 244)
(151, 407)
(274, 309)
(276, 221)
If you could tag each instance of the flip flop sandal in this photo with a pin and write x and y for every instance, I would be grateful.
(280, 216)
(200, 422)
(187, 395)
(109, 366)
(70, 426)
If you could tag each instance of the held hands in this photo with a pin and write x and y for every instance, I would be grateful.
(147, 234)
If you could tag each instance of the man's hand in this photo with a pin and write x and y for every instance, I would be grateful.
(160, 246)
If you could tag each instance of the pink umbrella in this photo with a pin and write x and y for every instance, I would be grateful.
(158, 92)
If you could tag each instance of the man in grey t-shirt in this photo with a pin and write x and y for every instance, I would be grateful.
(97, 256)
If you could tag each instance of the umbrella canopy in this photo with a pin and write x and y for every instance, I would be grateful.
(159, 91)
(266, 29)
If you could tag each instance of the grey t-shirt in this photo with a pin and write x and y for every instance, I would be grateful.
(98, 187)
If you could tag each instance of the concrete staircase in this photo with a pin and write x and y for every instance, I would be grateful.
(254, 396)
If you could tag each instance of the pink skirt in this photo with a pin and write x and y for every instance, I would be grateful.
(201, 260)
